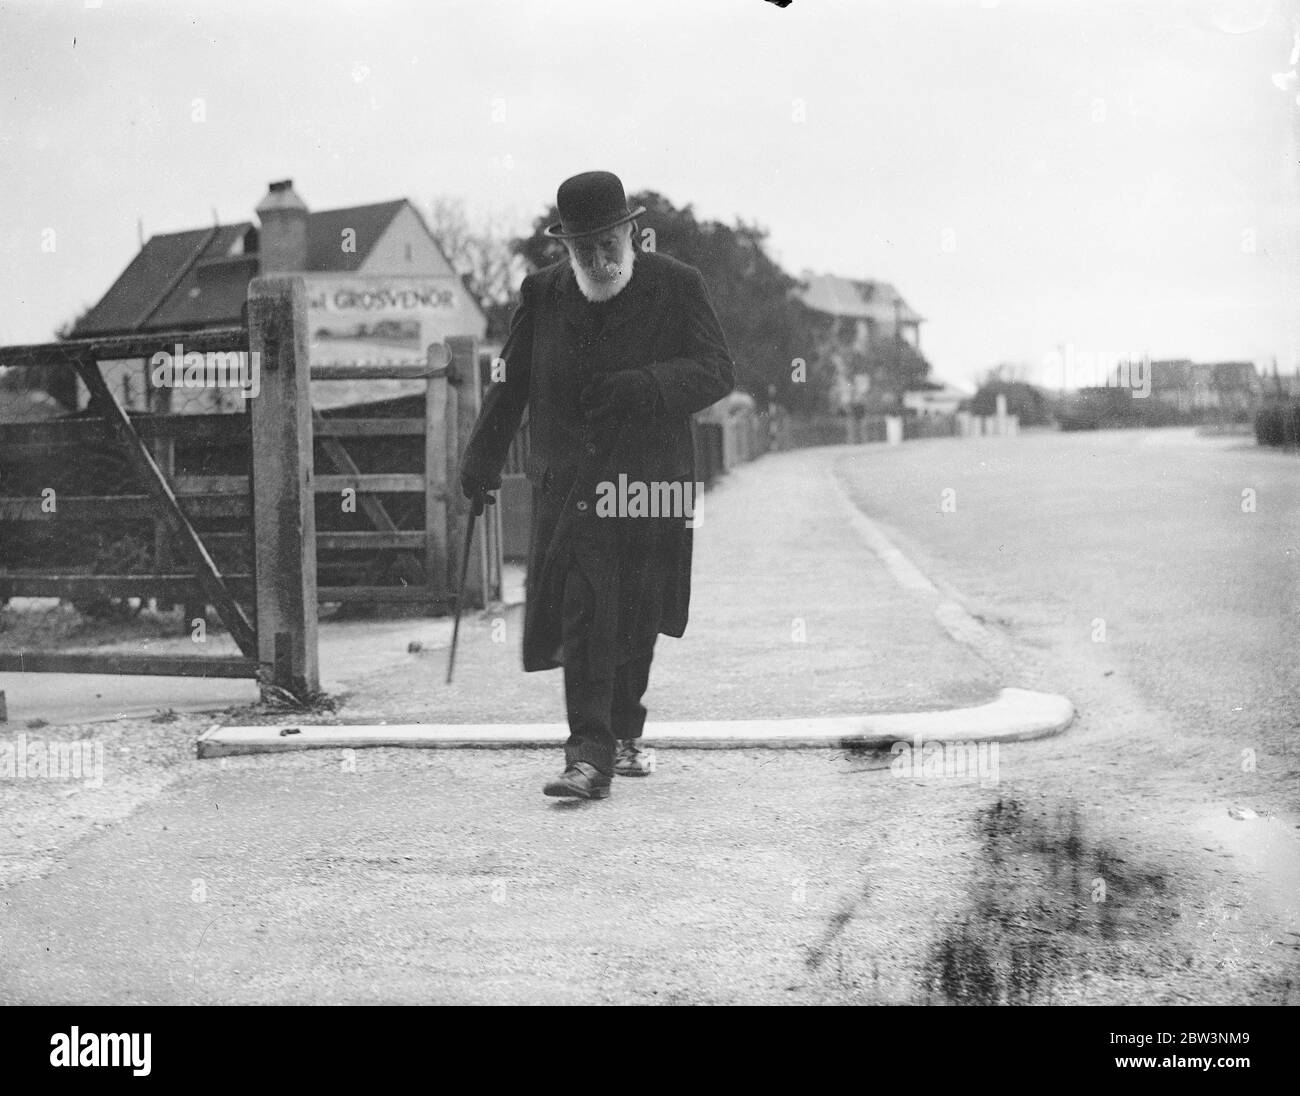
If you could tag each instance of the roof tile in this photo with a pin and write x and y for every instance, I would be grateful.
(190, 279)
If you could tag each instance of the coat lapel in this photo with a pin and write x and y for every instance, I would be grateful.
(637, 299)
(572, 305)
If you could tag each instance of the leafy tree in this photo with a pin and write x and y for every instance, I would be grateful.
(766, 328)
(1030, 403)
(59, 382)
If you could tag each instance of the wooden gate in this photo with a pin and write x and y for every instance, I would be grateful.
(294, 461)
(411, 511)
(153, 498)
(279, 591)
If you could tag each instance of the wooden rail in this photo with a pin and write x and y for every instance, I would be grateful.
(411, 371)
(20, 584)
(103, 507)
(107, 662)
(366, 428)
(89, 430)
(120, 347)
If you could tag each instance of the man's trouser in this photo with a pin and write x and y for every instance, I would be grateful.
(602, 711)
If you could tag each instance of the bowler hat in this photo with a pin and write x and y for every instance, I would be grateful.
(590, 203)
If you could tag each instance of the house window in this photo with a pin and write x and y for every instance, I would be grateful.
(408, 253)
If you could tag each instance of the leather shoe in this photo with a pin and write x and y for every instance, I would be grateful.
(579, 781)
(631, 760)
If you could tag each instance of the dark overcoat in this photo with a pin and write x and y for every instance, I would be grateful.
(600, 588)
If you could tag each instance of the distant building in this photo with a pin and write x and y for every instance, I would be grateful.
(379, 288)
(874, 346)
(1277, 386)
(1197, 389)
(868, 312)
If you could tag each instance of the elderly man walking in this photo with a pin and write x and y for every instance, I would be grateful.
(609, 352)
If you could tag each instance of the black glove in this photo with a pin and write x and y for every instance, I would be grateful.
(626, 393)
(475, 485)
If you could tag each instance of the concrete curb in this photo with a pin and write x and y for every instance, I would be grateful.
(949, 613)
(1015, 715)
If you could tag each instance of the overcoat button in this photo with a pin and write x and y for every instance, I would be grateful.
(582, 505)
(591, 447)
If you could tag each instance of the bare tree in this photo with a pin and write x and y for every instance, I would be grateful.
(1005, 373)
(481, 254)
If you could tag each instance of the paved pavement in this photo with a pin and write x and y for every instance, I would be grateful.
(791, 615)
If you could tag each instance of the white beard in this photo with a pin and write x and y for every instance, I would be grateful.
(604, 291)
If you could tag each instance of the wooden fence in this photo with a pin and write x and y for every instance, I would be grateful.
(719, 445)
(223, 509)
(56, 509)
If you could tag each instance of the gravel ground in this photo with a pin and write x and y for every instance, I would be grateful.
(808, 876)
(125, 764)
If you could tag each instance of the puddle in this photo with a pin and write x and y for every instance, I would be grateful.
(1269, 849)
(1048, 904)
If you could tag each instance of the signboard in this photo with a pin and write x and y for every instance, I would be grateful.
(359, 319)
(364, 318)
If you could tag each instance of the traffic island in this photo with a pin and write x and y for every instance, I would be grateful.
(1015, 715)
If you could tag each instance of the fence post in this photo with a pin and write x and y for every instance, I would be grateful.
(164, 455)
(284, 503)
(437, 481)
(462, 411)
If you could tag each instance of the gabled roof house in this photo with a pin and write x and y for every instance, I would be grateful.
(379, 287)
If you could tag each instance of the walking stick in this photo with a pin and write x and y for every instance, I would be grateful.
(478, 508)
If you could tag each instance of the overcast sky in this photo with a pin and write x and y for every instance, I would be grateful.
(1113, 176)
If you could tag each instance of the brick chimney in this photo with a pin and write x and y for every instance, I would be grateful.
(282, 241)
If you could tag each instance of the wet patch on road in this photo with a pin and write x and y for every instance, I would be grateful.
(1050, 907)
